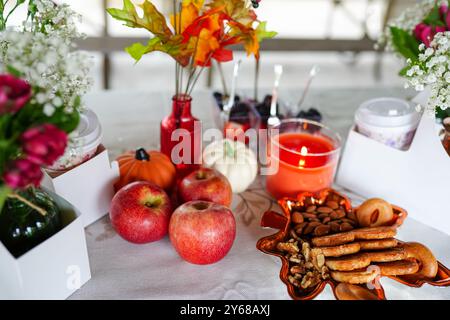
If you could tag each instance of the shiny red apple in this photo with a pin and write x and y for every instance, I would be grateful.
(206, 184)
(202, 232)
(140, 212)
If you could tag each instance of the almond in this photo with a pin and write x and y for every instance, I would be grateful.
(323, 215)
(322, 230)
(326, 220)
(332, 204)
(324, 210)
(297, 217)
(308, 215)
(335, 227)
(309, 229)
(349, 221)
(299, 228)
(345, 227)
(340, 213)
(334, 215)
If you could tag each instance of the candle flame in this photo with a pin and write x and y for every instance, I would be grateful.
(303, 152)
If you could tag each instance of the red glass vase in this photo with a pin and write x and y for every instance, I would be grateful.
(181, 136)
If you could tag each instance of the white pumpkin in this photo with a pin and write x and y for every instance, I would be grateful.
(234, 160)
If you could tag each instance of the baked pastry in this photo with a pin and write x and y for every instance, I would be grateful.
(375, 233)
(341, 250)
(388, 255)
(378, 244)
(334, 239)
(398, 268)
(346, 291)
(428, 266)
(355, 277)
(374, 213)
(348, 263)
(364, 259)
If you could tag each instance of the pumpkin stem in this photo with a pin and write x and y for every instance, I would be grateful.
(142, 155)
(229, 150)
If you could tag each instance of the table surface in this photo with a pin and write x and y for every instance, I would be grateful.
(121, 270)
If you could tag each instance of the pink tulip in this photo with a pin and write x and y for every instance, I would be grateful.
(43, 145)
(425, 33)
(14, 93)
(445, 14)
(22, 173)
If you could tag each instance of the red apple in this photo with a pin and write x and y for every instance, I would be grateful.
(140, 212)
(206, 184)
(202, 232)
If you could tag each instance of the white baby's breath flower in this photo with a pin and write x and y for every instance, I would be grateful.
(49, 110)
(432, 69)
(431, 78)
(428, 52)
(42, 50)
(57, 102)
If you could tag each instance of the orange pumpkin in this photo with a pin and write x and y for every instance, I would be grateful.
(152, 166)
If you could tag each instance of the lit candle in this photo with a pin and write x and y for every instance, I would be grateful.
(303, 152)
(306, 155)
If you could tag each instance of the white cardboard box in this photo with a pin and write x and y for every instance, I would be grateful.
(416, 180)
(89, 186)
(54, 269)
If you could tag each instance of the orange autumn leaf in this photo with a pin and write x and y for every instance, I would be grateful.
(247, 36)
(211, 20)
(238, 10)
(207, 38)
(190, 11)
(205, 44)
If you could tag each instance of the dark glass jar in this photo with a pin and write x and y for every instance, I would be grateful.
(22, 227)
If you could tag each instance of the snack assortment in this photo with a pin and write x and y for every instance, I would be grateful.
(326, 241)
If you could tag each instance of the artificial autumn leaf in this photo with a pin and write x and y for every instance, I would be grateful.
(238, 10)
(204, 45)
(174, 47)
(247, 36)
(223, 55)
(211, 20)
(190, 10)
(152, 20)
(262, 33)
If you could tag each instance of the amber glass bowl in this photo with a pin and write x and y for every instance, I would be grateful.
(282, 222)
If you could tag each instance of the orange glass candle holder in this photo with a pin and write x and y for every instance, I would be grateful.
(303, 156)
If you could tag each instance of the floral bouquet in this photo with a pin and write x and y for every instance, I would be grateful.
(199, 32)
(41, 82)
(421, 35)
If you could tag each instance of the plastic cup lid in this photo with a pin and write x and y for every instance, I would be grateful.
(89, 132)
(387, 112)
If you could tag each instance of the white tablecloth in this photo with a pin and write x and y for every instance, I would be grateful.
(121, 270)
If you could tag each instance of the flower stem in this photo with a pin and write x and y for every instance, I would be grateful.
(177, 67)
(180, 70)
(257, 69)
(192, 68)
(28, 203)
(5, 20)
